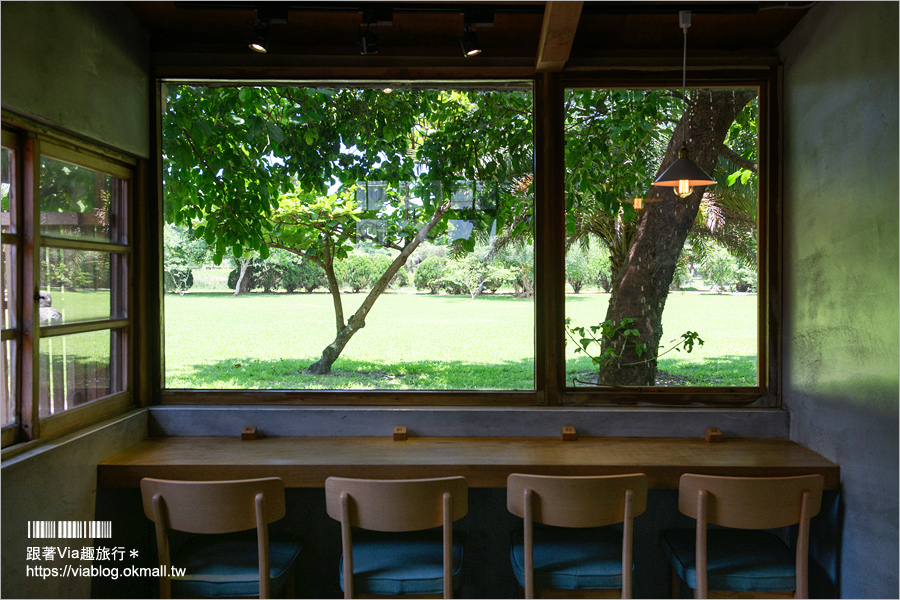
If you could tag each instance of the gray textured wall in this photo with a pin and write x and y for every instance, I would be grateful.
(57, 481)
(80, 65)
(841, 272)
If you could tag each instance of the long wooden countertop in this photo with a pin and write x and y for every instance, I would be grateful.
(486, 462)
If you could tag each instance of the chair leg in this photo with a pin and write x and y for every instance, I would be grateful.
(676, 583)
(289, 586)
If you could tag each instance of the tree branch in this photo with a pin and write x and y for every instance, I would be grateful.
(737, 159)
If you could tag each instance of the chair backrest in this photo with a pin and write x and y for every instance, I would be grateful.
(751, 502)
(591, 501)
(214, 506)
(396, 504)
(211, 507)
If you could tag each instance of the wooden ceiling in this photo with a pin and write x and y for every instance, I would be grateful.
(315, 38)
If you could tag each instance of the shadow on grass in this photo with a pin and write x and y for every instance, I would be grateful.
(287, 374)
(716, 371)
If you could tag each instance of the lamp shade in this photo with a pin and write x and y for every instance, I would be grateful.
(684, 175)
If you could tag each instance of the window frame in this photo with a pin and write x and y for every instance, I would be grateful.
(31, 141)
(765, 78)
(550, 383)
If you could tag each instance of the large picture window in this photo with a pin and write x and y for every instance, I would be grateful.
(383, 238)
(661, 290)
(366, 238)
(65, 297)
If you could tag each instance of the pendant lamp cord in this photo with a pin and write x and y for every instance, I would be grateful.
(684, 18)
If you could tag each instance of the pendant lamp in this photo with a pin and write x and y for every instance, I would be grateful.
(684, 174)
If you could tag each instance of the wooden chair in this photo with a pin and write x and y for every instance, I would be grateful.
(220, 565)
(744, 562)
(575, 559)
(396, 562)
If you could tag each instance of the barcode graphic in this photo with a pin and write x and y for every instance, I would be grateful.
(69, 529)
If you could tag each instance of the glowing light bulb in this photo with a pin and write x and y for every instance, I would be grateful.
(684, 188)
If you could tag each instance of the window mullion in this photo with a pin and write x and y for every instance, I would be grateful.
(30, 374)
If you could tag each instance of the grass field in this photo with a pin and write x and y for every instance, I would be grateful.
(418, 341)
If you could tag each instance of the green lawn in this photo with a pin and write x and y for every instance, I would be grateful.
(418, 341)
(80, 305)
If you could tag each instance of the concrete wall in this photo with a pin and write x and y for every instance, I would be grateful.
(841, 273)
(82, 66)
(57, 481)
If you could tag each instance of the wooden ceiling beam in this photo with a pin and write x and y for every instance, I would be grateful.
(557, 34)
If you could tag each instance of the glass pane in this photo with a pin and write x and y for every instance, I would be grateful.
(647, 270)
(7, 198)
(77, 202)
(8, 281)
(75, 369)
(7, 383)
(452, 169)
(75, 286)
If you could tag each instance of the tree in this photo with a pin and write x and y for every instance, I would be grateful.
(642, 283)
(469, 273)
(182, 253)
(578, 269)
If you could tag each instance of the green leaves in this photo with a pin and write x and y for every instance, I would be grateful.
(606, 343)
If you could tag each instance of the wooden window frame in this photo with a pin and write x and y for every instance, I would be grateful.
(550, 383)
(31, 141)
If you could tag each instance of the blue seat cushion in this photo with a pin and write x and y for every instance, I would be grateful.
(736, 559)
(399, 564)
(571, 559)
(219, 566)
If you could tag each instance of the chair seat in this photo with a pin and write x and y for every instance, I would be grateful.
(737, 560)
(220, 566)
(571, 559)
(398, 564)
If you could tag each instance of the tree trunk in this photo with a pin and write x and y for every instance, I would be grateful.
(358, 320)
(641, 286)
(243, 282)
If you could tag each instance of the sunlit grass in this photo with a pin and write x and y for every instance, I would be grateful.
(418, 341)
(409, 341)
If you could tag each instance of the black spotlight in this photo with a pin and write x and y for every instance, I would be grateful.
(469, 43)
(259, 41)
(368, 42)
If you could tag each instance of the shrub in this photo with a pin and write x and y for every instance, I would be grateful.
(401, 279)
(306, 275)
(359, 272)
(745, 279)
(429, 273)
(266, 275)
(178, 279)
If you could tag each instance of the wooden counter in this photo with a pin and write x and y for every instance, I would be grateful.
(486, 462)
